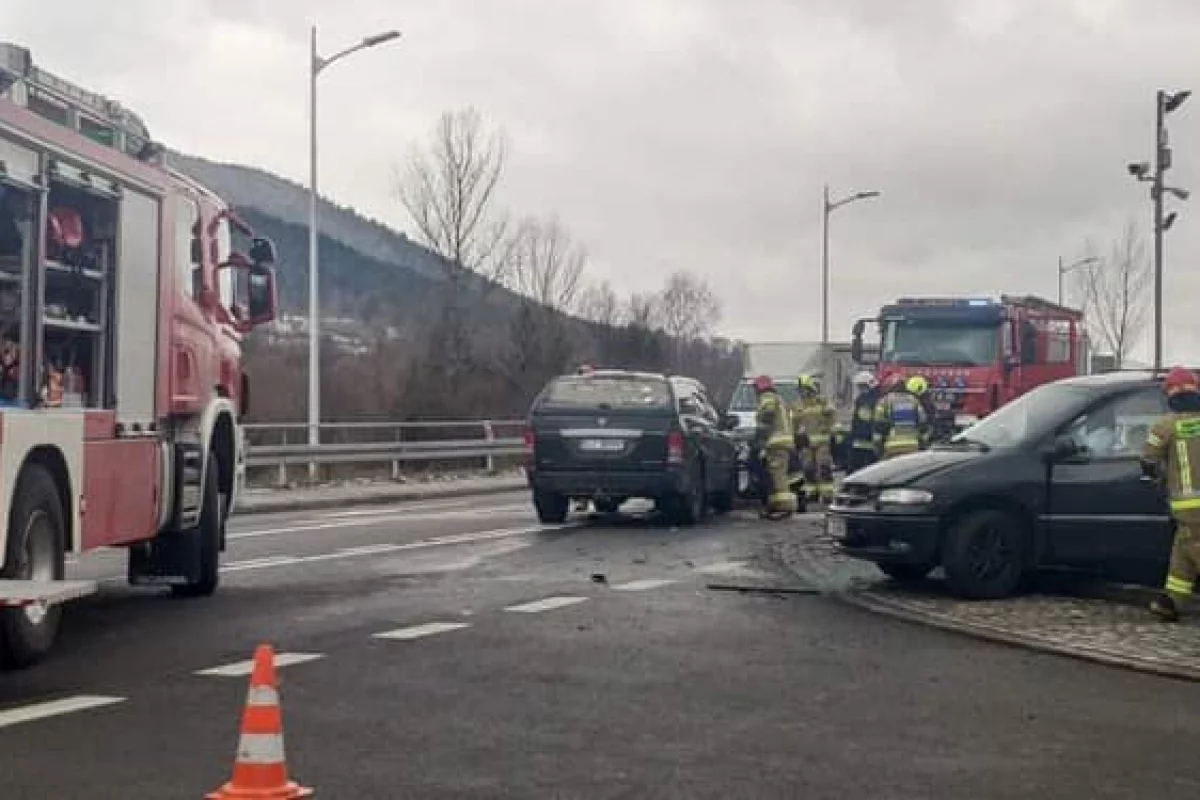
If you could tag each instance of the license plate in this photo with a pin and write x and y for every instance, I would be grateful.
(835, 527)
(602, 445)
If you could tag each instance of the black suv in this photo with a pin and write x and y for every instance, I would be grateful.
(612, 435)
(1050, 480)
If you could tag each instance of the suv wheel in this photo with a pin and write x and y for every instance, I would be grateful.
(984, 555)
(691, 507)
(551, 508)
(722, 501)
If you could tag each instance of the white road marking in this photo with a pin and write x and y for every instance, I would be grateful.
(307, 526)
(547, 604)
(54, 708)
(643, 585)
(417, 631)
(241, 669)
(722, 567)
(376, 549)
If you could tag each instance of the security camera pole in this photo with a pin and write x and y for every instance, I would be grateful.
(828, 208)
(1164, 104)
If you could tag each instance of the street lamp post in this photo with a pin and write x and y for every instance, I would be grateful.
(828, 208)
(1063, 270)
(315, 65)
(1164, 104)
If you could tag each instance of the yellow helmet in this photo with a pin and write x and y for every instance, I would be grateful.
(917, 384)
(806, 383)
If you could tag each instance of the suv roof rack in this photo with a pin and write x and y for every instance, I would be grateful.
(93, 115)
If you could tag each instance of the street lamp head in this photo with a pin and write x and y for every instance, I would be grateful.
(380, 38)
(867, 195)
(1182, 194)
(1174, 101)
(1139, 170)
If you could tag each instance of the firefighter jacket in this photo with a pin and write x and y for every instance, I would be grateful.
(1172, 454)
(812, 421)
(862, 424)
(774, 425)
(901, 422)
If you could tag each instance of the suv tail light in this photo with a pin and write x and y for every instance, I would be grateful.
(530, 441)
(674, 447)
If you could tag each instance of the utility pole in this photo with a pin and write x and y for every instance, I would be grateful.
(1164, 104)
(828, 208)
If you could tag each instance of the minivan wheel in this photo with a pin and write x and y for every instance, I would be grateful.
(722, 501)
(984, 555)
(551, 508)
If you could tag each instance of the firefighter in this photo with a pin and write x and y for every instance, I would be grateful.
(1172, 446)
(901, 423)
(862, 450)
(812, 418)
(773, 438)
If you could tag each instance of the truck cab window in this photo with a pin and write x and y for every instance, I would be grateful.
(189, 271)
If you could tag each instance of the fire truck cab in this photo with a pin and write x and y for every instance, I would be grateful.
(976, 353)
(125, 291)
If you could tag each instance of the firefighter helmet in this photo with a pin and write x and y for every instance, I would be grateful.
(1180, 380)
(807, 383)
(763, 383)
(917, 385)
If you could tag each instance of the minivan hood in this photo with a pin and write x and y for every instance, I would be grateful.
(904, 470)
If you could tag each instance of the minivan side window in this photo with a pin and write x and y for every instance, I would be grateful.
(1118, 428)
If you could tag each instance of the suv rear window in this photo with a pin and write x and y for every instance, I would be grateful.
(607, 391)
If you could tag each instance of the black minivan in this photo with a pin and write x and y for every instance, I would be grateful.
(1052, 479)
(612, 435)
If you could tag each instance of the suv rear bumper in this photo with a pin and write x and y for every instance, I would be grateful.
(892, 538)
(598, 483)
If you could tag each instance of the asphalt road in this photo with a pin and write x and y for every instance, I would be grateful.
(544, 683)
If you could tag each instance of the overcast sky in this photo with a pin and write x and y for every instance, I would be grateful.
(697, 133)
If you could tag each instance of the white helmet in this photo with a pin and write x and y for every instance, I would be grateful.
(865, 378)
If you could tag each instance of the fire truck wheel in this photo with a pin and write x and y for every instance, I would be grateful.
(210, 532)
(35, 552)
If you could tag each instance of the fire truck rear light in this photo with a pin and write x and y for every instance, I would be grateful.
(530, 441)
(674, 447)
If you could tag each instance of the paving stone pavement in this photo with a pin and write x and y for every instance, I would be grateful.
(1115, 633)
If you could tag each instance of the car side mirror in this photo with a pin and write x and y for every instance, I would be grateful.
(1063, 448)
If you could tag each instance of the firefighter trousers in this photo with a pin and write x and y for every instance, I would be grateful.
(1185, 560)
(779, 494)
(818, 471)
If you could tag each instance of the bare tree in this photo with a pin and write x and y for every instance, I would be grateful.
(449, 190)
(599, 304)
(643, 312)
(688, 308)
(547, 265)
(1116, 294)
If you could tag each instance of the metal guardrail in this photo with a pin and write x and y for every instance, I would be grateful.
(397, 443)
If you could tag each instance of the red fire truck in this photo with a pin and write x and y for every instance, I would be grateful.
(125, 291)
(977, 354)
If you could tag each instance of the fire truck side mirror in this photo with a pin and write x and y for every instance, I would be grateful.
(262, 251)
(261, 300)
(856, 341)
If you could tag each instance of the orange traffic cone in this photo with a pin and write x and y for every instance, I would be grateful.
(260, 771)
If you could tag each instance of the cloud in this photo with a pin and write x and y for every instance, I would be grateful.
(697, 134)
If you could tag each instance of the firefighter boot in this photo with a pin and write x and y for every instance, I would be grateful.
(1163, 607)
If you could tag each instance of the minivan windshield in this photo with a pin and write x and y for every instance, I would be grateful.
(1032, 415)
(608, 392)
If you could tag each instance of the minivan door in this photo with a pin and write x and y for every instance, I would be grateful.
(1099, 505)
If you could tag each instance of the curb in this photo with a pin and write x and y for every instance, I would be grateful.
(406, 495)
(874, 603)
